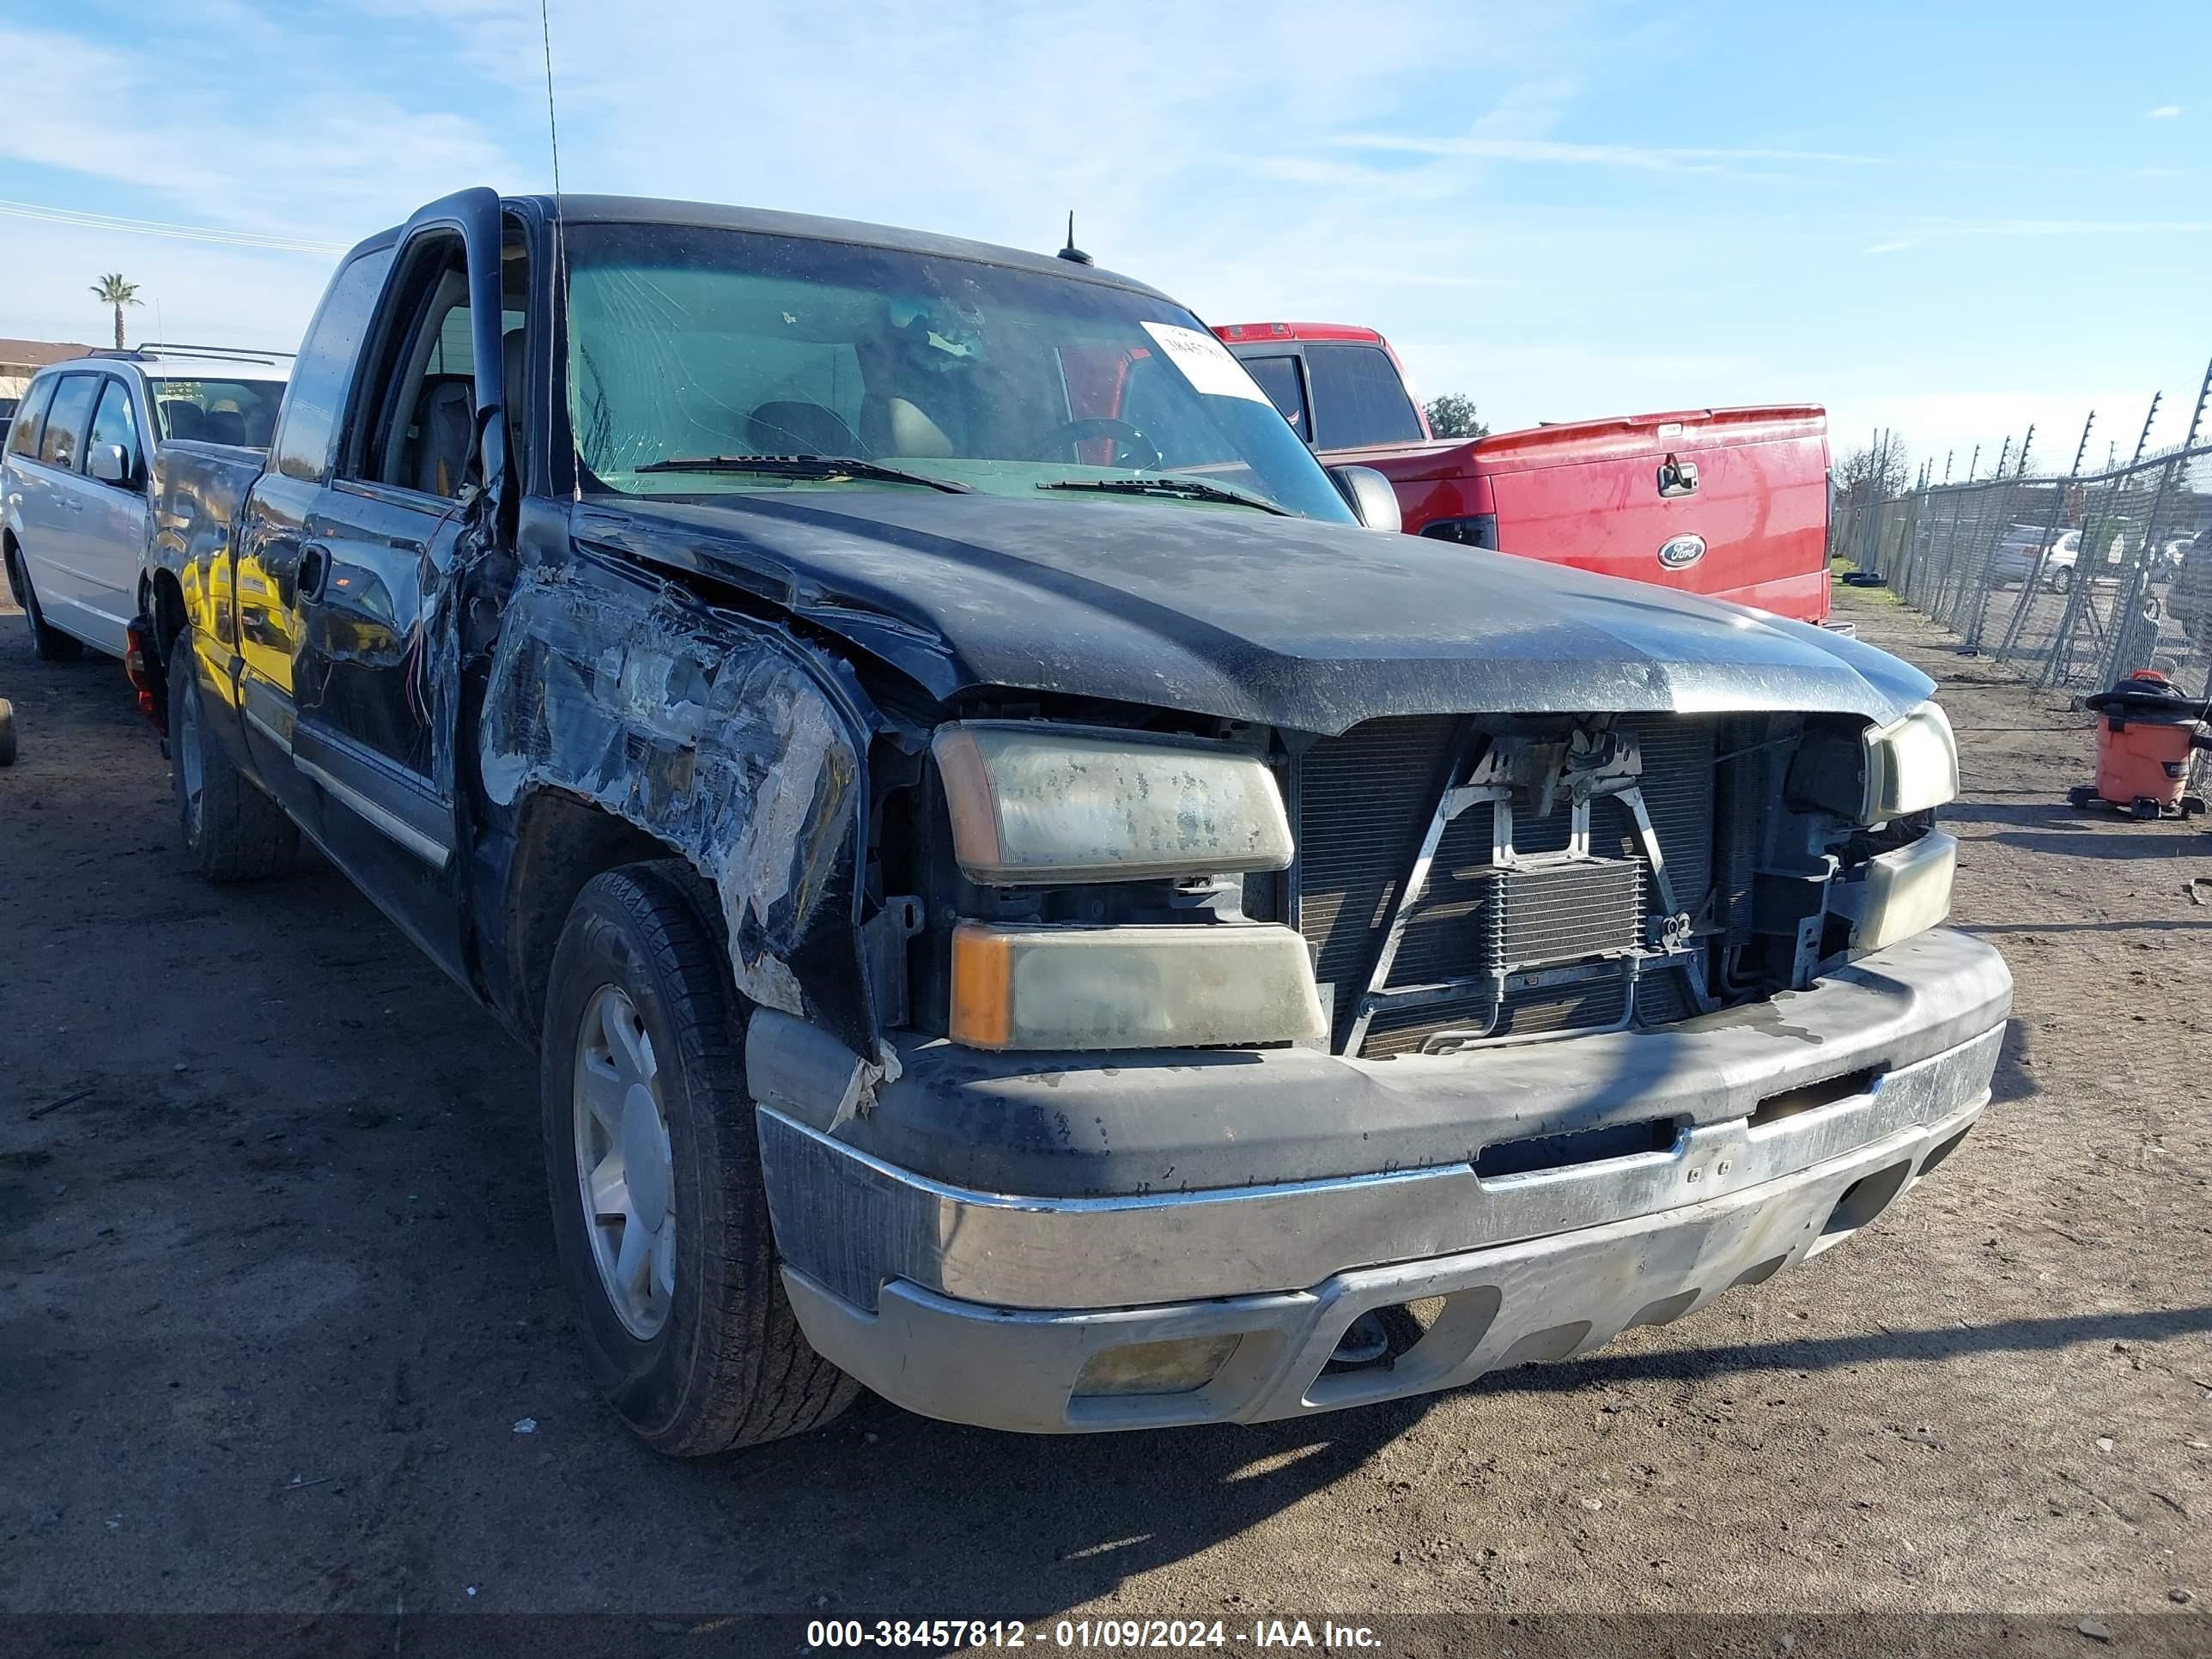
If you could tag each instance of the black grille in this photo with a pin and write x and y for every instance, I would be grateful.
(1364, 803)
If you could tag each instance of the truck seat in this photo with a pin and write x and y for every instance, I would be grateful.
(893, 426)
(225, 426)
(445, 435)
(182, 419)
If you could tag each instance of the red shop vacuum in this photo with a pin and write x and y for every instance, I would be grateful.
(2144, 736)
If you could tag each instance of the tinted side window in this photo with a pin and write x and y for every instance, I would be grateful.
(307, 429)
(1359, 398)
(1278, 378)
(114, 423)
(23, 436)
(63, 442)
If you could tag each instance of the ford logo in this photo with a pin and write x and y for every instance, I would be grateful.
(1681, 552)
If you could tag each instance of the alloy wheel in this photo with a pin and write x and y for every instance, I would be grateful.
(625, 1172)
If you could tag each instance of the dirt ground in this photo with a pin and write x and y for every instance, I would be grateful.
(280, 1328)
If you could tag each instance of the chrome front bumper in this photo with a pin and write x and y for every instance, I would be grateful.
(985, 1307)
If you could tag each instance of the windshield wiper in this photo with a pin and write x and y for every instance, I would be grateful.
(802, 467)
(1194, 489)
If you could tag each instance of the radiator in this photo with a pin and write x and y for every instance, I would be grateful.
(1364, 802)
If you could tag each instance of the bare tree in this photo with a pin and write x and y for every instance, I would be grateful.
(112, 289)
(1879, 470)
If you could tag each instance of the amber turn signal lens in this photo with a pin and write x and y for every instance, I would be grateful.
(982, 988)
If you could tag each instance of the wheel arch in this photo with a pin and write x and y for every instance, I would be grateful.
(561, 841)
(162, 600)
(721, 738)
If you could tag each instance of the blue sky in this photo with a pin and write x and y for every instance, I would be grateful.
(1950, 218)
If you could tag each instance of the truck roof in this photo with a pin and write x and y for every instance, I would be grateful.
(714, 216)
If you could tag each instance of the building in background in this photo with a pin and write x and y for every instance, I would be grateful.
(21, 359)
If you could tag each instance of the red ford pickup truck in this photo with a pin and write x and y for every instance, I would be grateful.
(1728, 502)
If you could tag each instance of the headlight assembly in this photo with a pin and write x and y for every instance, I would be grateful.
(1911, 766)
(1032, 805)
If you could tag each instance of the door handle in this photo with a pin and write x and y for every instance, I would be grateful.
(1677, 478)
(314, 571)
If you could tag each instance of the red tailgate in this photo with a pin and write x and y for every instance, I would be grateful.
(1607, 495)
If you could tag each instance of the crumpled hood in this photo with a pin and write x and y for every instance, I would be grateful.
(1238, 614)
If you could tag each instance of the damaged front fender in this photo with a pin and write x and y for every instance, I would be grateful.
(724, 736)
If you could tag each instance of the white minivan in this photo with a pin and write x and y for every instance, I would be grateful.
(76, 481)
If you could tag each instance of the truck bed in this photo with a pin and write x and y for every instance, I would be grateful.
(1589, 494)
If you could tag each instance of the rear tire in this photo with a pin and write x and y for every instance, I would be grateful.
(49, 641)
(232, 830)
(641, 1077)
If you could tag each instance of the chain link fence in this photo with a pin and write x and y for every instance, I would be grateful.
(2078, 580)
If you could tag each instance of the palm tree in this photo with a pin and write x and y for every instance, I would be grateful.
(112, 289)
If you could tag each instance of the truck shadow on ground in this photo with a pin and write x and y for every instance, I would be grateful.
(1816, 1353)
(1034, 1529)
(1024, 1527)
(2014, 1079)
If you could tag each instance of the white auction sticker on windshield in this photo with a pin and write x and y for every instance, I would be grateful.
(1205, 361)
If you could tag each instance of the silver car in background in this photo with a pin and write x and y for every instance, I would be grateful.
(77, 478)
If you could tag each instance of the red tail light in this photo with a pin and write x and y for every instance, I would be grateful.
(142, 665)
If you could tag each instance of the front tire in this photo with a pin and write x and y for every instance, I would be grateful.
(232, 830)
(2060, 580)
(653, 1163)
(51, 644)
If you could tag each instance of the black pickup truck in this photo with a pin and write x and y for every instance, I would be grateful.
(1025, 901)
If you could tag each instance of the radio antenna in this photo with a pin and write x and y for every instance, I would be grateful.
(554, 312)
(1072, 253)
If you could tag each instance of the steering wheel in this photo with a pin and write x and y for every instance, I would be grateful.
(1125, 437)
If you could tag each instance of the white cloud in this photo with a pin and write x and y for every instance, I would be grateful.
(1898, 245)
(2069, 228)
(1649, 158)
(291, 158)
(2163, 113)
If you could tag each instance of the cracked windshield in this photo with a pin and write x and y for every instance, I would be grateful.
(710, 360)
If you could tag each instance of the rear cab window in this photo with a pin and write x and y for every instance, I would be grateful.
(23, 435)
(63, 442)
(1278, 378)
(1359, 398)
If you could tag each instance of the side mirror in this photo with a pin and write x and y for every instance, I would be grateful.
(110, 464)
(1372, 500)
